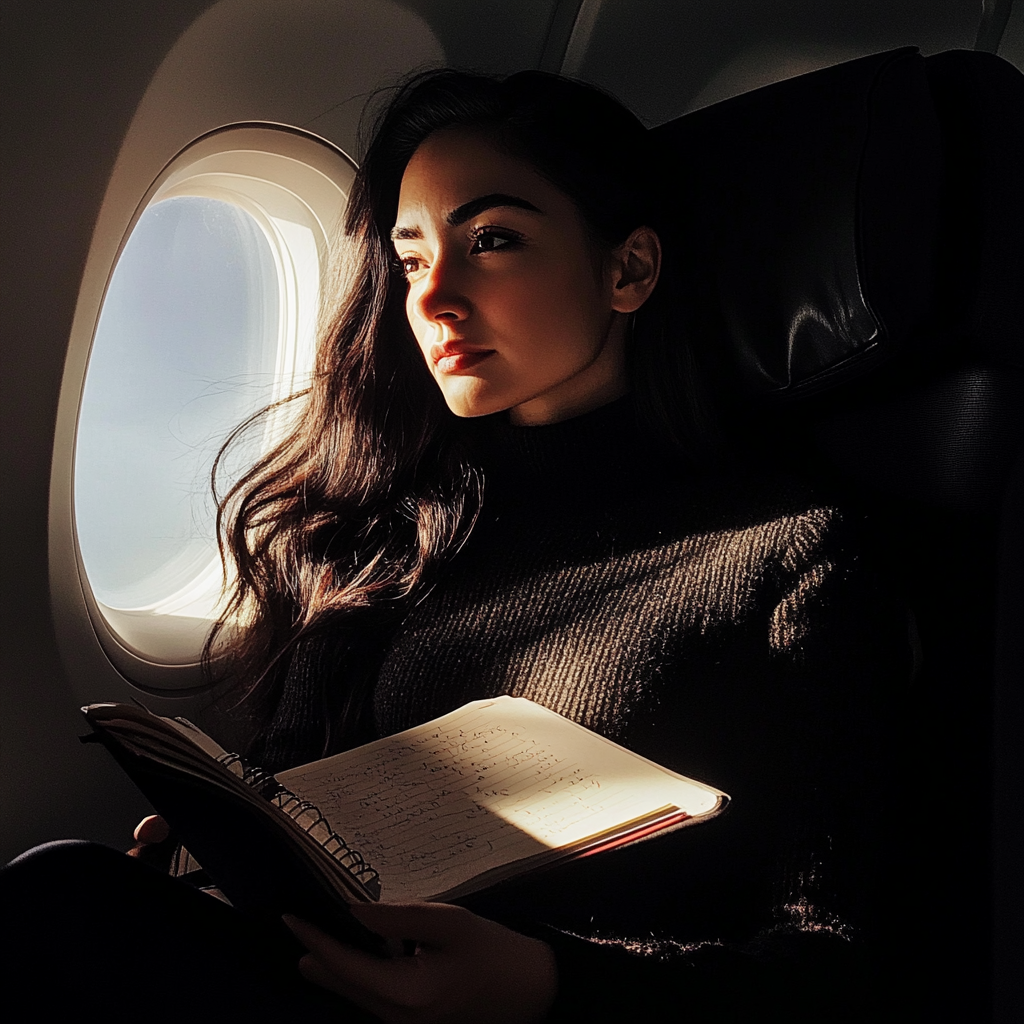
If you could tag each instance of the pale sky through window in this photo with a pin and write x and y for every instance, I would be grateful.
(185, 349)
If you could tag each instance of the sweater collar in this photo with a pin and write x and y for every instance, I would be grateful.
(596, 449)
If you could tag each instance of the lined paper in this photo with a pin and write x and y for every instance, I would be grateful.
(491, 783)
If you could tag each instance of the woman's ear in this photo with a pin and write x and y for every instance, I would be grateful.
(635, 266)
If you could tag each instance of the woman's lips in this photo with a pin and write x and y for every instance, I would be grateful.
(456, 357)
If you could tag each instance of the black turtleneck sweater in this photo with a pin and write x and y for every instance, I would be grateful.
(723, 627)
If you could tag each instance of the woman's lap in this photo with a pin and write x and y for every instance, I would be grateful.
(87, 927)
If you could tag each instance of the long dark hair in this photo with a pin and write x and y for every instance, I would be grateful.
(347, 519)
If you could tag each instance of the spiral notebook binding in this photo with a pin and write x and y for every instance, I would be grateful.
(315, 824)
(298, 809)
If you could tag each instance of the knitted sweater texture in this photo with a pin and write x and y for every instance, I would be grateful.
(723, 627)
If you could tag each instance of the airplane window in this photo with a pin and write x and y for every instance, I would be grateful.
(209, 315)
(183, 352)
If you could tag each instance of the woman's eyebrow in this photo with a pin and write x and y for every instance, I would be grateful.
(467, 211)
(477, 206)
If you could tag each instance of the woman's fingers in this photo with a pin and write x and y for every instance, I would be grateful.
(152, 829)
(426, 923)
(467, 968)
(151, 842)
(370, 981)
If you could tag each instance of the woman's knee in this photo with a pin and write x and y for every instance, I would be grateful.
(66, 863)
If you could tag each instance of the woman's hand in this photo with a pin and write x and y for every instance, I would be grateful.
(152, 830)
(150, 833)
(154, 843)
(466, 969)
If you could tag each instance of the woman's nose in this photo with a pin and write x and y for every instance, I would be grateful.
(439, 294)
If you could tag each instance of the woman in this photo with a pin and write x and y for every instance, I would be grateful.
(502, 482)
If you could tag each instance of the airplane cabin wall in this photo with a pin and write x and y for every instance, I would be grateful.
(73, 75)
(100, 96)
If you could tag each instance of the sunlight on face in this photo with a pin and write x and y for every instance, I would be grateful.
(511, 304)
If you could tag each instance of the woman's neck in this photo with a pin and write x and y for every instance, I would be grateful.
(541, 413)
(603, 448)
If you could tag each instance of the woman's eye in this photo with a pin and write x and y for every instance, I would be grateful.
(488, 240)
(408, 264)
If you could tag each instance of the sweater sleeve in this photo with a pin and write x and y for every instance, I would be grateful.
(817, 751)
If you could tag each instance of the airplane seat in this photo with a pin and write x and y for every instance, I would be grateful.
(856, 240)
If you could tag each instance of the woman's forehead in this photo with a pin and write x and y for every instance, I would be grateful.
(454, 167)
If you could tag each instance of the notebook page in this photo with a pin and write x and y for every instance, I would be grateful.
(491, 783)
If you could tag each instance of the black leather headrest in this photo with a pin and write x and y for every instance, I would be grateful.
(812, 206)
(980, 102)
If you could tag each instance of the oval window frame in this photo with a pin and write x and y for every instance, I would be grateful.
(277, 174)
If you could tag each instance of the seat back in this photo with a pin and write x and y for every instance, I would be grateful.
(859, 293)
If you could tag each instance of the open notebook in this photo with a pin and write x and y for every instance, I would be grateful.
(497, 788)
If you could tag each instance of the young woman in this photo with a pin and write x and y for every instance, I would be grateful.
(503, 481)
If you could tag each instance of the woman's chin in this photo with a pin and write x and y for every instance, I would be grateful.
(474, 412)
(470, 403)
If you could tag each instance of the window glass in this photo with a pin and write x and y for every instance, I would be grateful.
(185, 349)
(209, 315)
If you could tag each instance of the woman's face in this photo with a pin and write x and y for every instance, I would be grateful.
(513, 307)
